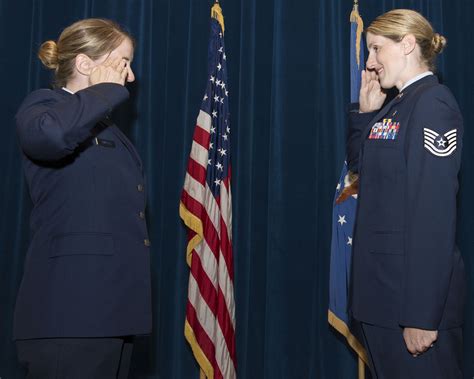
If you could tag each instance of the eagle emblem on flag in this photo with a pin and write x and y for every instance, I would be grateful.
(439, 145)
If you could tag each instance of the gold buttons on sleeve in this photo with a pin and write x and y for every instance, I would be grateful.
(146, 242)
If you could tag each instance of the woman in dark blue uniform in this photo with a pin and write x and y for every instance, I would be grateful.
(408, 283)
(86, 285)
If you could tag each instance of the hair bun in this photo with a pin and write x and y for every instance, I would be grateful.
(48, 54)
(438, 42)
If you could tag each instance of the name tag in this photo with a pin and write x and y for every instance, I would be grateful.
(104, 142)
(385, 129)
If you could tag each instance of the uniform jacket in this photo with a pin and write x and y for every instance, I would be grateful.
(406, 269)
(87, 269)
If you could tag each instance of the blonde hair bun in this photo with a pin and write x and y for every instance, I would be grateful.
(48, 54)
(438, 42)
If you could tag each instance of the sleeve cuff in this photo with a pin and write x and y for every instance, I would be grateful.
(111, 94)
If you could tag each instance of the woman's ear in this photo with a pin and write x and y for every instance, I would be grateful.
(408, 43)
(84, 64)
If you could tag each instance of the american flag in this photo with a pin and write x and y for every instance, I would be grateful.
(206, 209)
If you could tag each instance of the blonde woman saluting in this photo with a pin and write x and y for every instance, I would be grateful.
(85, 291)
(408, 283)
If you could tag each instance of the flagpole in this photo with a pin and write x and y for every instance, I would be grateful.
(355, 17)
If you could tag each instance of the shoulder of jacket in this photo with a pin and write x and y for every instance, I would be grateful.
(43, 95)
(40, 97)
(434, 94)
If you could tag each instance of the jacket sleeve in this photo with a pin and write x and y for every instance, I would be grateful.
(433, 154)
(357, 124)
(50, 127)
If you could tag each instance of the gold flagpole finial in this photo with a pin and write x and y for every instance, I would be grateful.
(216, 12)
(355, 9)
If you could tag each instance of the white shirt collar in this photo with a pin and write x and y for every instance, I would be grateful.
(415, 79)
(67, 90)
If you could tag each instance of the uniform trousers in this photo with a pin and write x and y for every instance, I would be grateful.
(390, 359)
(76, 358)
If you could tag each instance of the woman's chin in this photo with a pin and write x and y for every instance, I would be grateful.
(385, 84)
(382, 82)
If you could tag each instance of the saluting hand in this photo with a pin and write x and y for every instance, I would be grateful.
(110, 71)
(371, 96)
(419, 340)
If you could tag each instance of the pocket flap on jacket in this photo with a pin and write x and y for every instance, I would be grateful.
(82, 244)
(387, 242)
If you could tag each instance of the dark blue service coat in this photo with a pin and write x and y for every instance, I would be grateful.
(87, 269)
(406, 269)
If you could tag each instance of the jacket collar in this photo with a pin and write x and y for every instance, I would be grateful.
(429, 79)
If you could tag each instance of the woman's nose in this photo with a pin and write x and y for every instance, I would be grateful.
(131, 75)
(370, 61)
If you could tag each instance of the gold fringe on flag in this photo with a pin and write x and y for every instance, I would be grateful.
(342, 328)
(355, 17)
(361, 368)
(216, 12)
(195, 224)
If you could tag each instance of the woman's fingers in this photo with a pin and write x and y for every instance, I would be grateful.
(371, 97)
(110, 71)
(124, 74)
(372, 86)
(120, 64)
(363, 78)
(373, 75)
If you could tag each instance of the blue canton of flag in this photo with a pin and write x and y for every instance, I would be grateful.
(216, 103)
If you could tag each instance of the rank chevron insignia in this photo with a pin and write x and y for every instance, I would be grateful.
(439, 145)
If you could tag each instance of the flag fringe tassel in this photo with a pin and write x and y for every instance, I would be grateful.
(355, 17)
(342, 328)
(193, 223)
(207, 371)
(216, 12)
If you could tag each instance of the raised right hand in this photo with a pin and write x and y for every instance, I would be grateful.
(110, 71)
(371, 96)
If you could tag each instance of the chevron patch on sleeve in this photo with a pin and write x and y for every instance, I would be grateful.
(439, 145)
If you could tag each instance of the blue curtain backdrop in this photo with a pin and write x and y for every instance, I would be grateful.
(289, 88)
